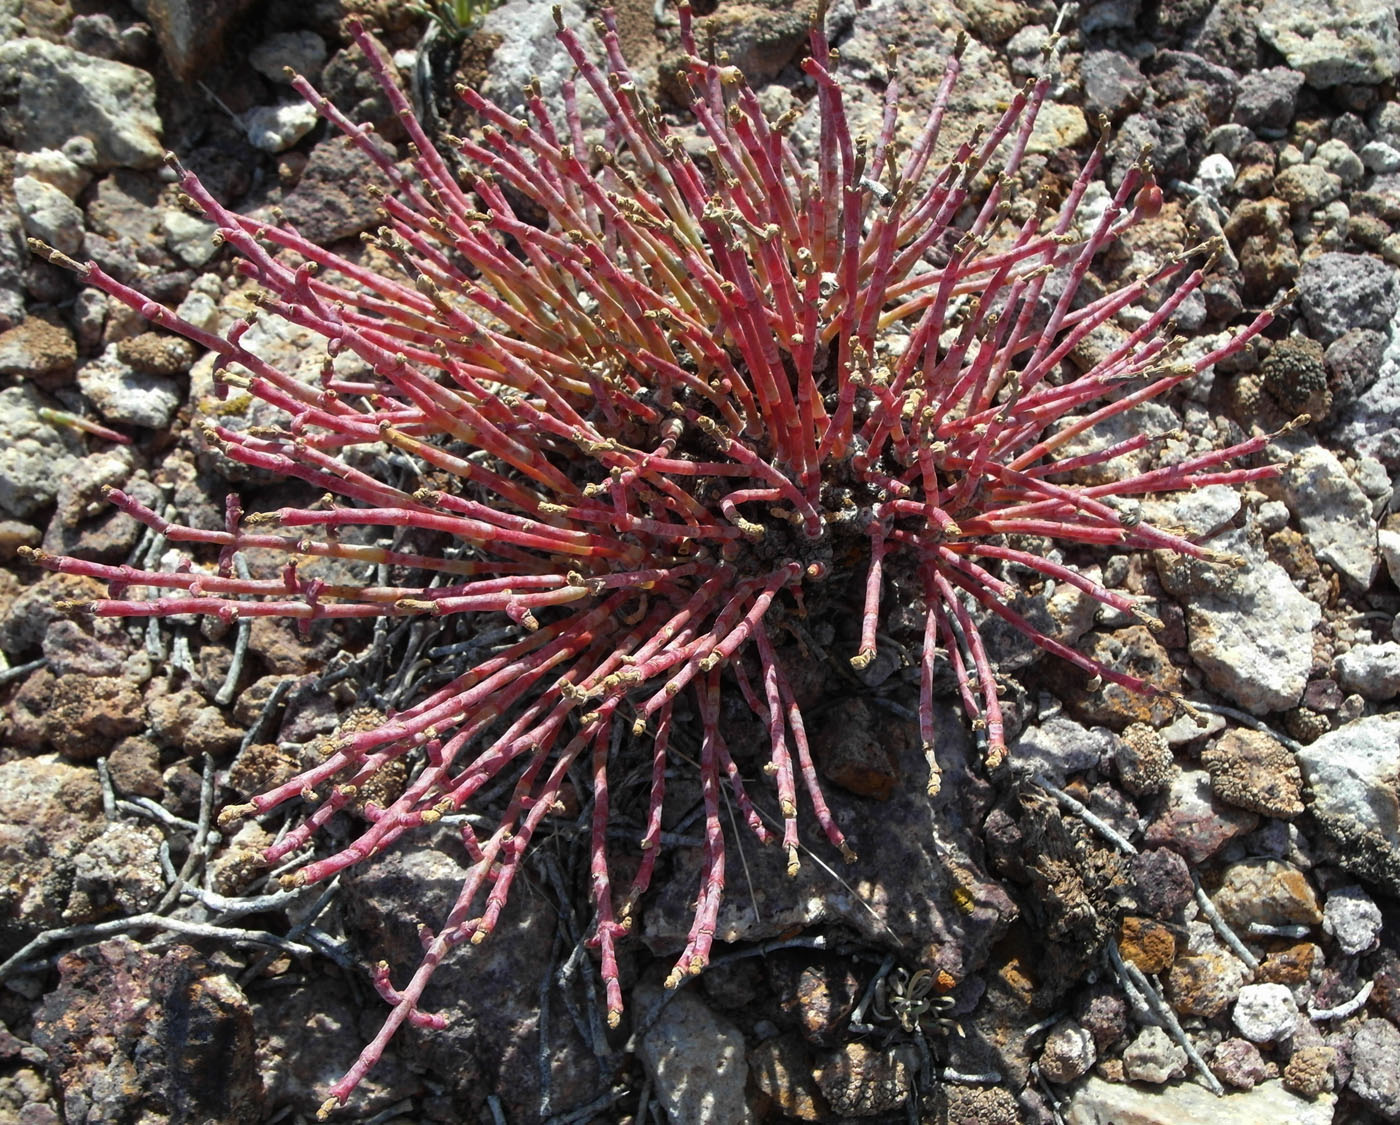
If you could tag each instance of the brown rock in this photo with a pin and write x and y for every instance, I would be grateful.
(38, 350)
(86, 716)
(1146, 943)
(862, 1080)
(1203, 984)
(1252, 770)
(782, 1069)
(1309, 1071)
(1290, 966)
(1268, 891)
(1133, 650)
(155, 353)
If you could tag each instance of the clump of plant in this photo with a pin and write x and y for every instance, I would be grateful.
(659, 402)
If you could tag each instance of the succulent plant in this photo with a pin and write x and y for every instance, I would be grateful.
(662, 397)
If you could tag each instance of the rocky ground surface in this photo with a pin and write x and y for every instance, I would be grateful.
(1150, 916)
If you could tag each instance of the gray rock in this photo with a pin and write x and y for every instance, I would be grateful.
(276, 128)
(1249, 629)
(1306, 187)
(61, 93)
(1352, 772)
(302, 50)
(189, 238)
(1389, 542)
(49, 215)
(1375, 1075)
(1113, 83)
(124, 395)
(529, 50)
(1265, 1013)
(34, 455)
(1267, 98)
(1098, 1102)
(1336, 156)
(1059, 746)
(696, 1058)
(1334, 41)
(1154, 1057)
(1339, 291)
(1334, 513)
(53, 167)
(1372, 671)
(1380, 157)
(1237, 1062)
(1353, 919)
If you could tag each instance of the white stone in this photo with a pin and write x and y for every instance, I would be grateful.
(1265, 1013)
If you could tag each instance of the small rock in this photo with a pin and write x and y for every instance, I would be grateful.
(124, 395)
(34, 455)
(61, 93)
(302, 50)
(1161, 881)
(1265, 1012)
(189, 238)
(696, 1060)
(1372, 671)
(1144, 760)
(1267, 98)
(1068, 1052)
(1251, 770)
(1059, 747)
(1334, 42)
(53, 167)
(1375, 1075)
(1339, 291)
(1193, 823)
(1268, 891)
(782, 1069)
(1334, 514)
(1353, 919)
(49, 215)
(38, 350)
(1237, 1062)
(1336, 156)
(1380, 157)
(860, 1080)
(1306, 187)
(1351, 772)
(276, 128)
(1098, 1102)
(1147, 943)
(1154, 1057)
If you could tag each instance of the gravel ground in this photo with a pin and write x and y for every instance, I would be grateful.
(1147, 916)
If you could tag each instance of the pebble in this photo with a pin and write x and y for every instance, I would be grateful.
(1336, 156)
(1161, 881)
(117, 110)
(1203, 984)
(1353, 919)
(1334, 514)
(1267, 98)
(1265, 1012)
(696, 1060)
(1306, 187)
(1154, 1057)
(34, 455)
(46, 213)
(55, 168)
(1267, 891)
(1375, 1075)
(302, 50)
(1193, 822)
(1059, 746)
(1253, 770)
(1068, 1053)
(1334, 42)
(1238, 1063)
(276, 128)
(1098, 1102)
(1338, 291)
(1380, 157)
(1372, 671)
(1144, 760)
(1250, 630)
(124, 395)
(1351, 772)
